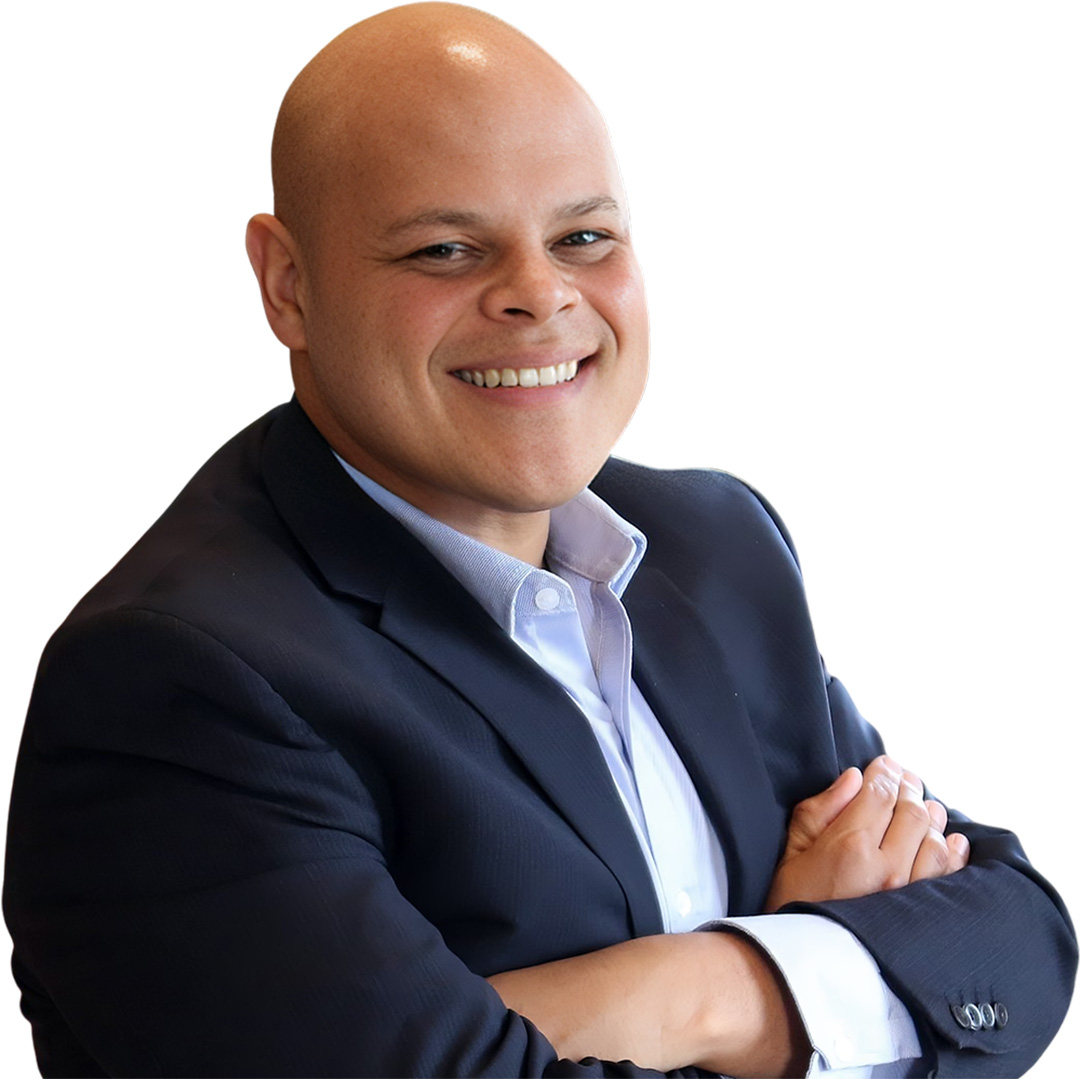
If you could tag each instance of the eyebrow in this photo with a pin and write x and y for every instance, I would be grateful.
(469, 218)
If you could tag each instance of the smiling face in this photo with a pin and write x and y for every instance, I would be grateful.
(474, 333)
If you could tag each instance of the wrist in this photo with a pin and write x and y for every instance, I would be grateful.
(752, 1027)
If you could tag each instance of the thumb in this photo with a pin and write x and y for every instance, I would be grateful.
(812, 816)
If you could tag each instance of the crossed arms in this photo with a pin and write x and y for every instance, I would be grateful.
(714, 1000)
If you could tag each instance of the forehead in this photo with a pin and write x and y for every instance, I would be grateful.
(467, 158)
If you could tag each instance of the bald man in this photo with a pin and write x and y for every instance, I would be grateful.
(352, 766)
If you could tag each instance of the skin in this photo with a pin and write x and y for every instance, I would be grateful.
(480, 225)
(446, 199)
(708, 999)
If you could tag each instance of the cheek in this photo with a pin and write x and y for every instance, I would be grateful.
(411, 320)
(621, 300)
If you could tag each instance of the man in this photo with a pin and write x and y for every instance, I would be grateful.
(353, 728)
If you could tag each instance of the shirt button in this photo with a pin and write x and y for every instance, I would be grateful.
(683, 904)
(547, 599)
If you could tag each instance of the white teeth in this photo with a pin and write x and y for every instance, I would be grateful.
(527, 377)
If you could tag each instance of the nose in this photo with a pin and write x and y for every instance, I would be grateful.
(530, 286)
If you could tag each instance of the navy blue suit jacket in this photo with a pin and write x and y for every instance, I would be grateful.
(286, 793)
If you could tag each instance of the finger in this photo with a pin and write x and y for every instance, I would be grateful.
(959, 851)
(870, 812)
(933, 857)
(940, 855)
(909, 827)
(813, 815)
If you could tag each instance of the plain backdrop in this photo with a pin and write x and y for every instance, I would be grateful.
(860, 229)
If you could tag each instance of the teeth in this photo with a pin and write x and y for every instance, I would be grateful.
(526, 377)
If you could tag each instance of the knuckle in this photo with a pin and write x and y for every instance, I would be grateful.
(913, 813)
(882, 786)
(936, 851)
(939, 818)
(895, 877)
(914, 784)
(802, 820)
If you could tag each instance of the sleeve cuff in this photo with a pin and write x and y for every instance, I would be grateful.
(852, 1018)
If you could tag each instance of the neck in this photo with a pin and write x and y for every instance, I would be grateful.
(521, 535)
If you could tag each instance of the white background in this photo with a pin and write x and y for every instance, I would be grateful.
(861, 231)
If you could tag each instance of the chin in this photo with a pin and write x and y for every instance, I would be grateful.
(551, 491)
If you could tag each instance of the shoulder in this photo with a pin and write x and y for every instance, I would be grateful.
(695, 506)
(217, 514)
(222, 561)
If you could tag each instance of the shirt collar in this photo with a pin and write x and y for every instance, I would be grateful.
(587, 538)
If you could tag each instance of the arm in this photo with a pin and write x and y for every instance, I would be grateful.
(707, 999)
(995, 932)
(714, 999)
(198, 883)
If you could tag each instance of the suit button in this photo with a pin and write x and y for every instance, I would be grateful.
(988, 1016)
(974, 1016)
(961, 1016)
(1001, 1013)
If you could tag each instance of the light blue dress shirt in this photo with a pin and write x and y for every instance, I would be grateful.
(570, 619)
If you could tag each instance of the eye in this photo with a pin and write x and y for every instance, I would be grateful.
(584, 237)
(439, 252)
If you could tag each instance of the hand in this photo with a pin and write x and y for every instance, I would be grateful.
(865, 834)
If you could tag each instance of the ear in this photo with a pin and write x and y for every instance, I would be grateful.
(274, 259)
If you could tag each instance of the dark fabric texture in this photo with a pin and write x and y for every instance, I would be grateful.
(286, 793)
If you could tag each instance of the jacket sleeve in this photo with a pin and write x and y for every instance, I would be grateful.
(993, 937)
(199, 885)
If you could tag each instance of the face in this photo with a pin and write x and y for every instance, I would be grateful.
(475, 325)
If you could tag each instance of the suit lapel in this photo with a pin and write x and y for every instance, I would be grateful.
(533, 714)
(361, 551)
(679, 668)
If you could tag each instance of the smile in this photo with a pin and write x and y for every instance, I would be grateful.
(525, 377)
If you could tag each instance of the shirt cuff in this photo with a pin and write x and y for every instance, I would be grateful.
(853, 1019)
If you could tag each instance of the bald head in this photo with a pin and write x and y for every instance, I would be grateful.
(450, 267)
(399, 81)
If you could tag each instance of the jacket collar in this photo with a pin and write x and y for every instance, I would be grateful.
(363, 552)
